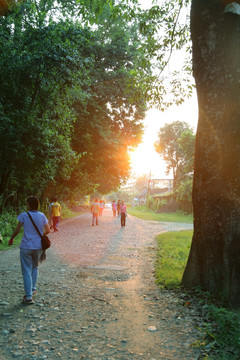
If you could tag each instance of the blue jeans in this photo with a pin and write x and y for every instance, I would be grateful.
(29, 265)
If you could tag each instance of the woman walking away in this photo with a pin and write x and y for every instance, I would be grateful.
(118, 208)
(101, 207)
(114, 208)
(123, 211)
(31, 246)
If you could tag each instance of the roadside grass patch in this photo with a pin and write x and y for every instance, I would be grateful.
(220, 326)
(8, 222)
(146, 214)
(172, 254)
(4, 245)
(221, 332)
(71, 214)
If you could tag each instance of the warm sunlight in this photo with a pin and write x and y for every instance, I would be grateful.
(145, 159)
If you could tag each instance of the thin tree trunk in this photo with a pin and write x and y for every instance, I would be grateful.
(214, 260)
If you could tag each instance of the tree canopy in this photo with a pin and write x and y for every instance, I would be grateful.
(176, 146)
(71, 102)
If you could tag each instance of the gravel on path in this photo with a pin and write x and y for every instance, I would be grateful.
(97, 298)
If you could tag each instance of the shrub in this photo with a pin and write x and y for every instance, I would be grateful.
(8, 222)
(65, 211)
(151, 203)
(160, 204)
(184, 191)
(222, 332)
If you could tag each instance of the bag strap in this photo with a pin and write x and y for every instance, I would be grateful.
(34, 224)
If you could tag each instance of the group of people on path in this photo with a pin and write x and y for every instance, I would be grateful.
(118, 208)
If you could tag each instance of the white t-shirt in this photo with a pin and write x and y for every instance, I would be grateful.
(31, 239)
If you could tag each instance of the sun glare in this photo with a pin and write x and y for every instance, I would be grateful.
(145, 159)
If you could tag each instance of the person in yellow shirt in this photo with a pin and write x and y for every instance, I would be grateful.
(56, 213)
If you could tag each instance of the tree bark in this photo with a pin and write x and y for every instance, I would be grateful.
(214, 260)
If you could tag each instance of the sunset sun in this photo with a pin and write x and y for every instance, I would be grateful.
(144, 159)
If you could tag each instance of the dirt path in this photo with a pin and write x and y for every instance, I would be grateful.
(96, 298)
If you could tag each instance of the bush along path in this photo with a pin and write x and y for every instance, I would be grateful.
(96, 298)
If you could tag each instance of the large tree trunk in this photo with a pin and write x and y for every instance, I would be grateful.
(214, 260)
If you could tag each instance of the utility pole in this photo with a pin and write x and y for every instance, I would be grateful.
(148, 187)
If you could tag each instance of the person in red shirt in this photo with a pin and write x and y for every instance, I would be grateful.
(114, 208)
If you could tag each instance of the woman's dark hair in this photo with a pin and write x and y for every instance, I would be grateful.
(33, 202)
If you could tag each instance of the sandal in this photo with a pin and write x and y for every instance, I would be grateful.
(27, 301)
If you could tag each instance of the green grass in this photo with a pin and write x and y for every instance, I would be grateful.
(71, 214)
(221, 333)
(172, 255)
(221, 326)
(146, 214)
(17, 241)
